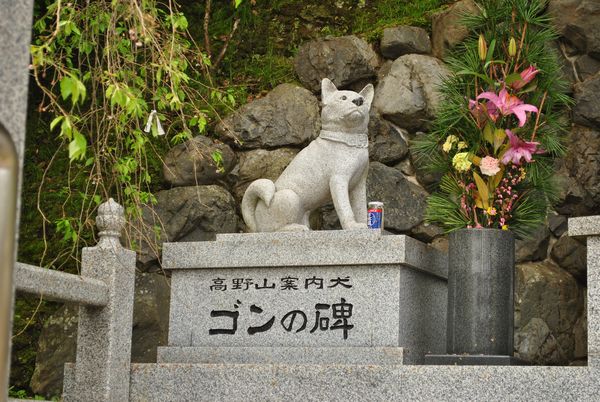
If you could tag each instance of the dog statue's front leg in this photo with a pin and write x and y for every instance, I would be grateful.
(358, 199)
(338, 186)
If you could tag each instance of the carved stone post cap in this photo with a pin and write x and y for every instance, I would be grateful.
(110, 222)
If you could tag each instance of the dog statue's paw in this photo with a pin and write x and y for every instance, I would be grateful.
(356, 226)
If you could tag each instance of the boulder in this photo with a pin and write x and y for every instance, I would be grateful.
(534, 248)
(404, 202)
(447, 30)
(535, 344)
(192, 163)
(409, 96)
(583, 164)
(186, 214)
(57, 343)
(557, 224)
(577, 21)
(150, 316)
(571, 255)
(343, 60)
(587, 108)
(261, 164)
(288, 115)
(545, 291)
(56, 346)
(398, 41)
(587, 67)
(386, 143)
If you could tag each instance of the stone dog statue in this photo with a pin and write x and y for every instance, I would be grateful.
(332, 167)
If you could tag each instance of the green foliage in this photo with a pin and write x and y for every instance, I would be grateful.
(488, 62)
(102, 68)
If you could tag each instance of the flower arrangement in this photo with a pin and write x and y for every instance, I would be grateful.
(501, 123)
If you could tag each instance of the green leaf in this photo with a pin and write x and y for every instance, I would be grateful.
(514, 77)
(499, 137)
(77, 146)
(490, 52)
(237, 3)
(483, 190)
(488, 133)
(66, 87)
(54, 122)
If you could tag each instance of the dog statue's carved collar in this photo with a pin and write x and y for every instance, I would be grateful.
(352, 140)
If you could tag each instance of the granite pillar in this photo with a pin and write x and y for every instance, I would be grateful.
(15, 32)
(589, 226)
(102, 367)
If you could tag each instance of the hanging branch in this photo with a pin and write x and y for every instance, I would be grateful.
(206, 33)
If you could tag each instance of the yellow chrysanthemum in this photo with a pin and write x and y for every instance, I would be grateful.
(461, 161)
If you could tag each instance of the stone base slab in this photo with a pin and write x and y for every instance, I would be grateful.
(191, 382)
(473, 360)
(281, 355)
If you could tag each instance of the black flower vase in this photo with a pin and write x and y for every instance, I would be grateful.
(480, 316)
(480, 292)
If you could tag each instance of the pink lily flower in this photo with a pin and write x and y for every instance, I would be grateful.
(519, 149)
(527, 76)
(506, 104)
(480, 113)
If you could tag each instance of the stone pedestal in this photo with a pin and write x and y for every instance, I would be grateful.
(305, 297)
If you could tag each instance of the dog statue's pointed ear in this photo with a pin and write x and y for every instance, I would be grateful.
(327, 88)
(368, 93)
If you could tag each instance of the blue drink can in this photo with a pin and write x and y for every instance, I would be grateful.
(375, 215)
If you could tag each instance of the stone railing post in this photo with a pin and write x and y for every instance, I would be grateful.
(102, 367)
(589, 226)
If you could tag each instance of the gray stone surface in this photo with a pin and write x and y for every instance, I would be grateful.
(387, 144)
(557, 224)
(480, 292)
(282, 355)
(15, 31)
(191, 163)
(587, 66)
(570, 254)
(584, 226)
(316, 248)
(593, 249)
(547, 292)
(473, 360)
(404, 201)
(288, 115)
(261, 163)
(331, 168)
(536, 344)
(60, 286)
(177, 382)
(408, 95)
(401, 40)
(56, 345)
(577, 21)
(447, 29)
(186, 214)
(344, 60)
(396, 301)
(587, 108)
(104, 335)
(534, 248)
(583, 165)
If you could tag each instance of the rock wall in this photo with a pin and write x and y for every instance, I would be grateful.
(262, 137)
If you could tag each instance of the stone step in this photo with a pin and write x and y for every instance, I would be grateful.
(281, 355)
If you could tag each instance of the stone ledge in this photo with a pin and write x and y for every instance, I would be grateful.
(178, 382)
(315, 248)
(281, 355)
(584, 226)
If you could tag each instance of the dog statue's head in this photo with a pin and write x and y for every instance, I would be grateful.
(345, 111)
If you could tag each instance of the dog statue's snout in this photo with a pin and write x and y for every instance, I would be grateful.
(358, 101)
